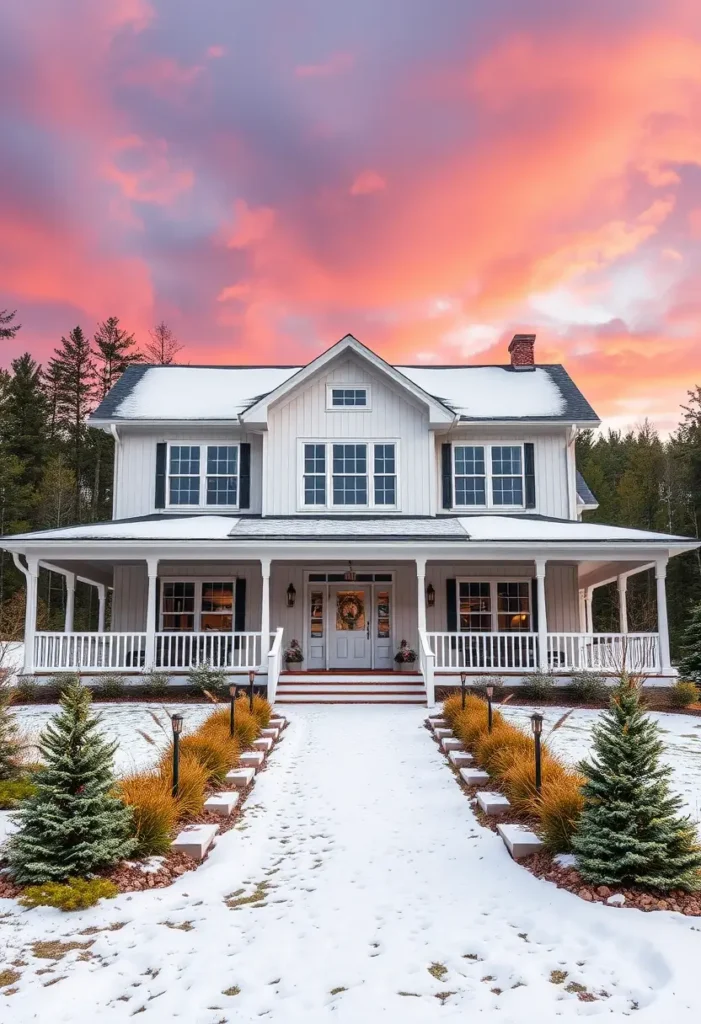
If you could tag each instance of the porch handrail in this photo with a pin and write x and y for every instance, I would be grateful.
(71, 652)
(427, 663)
(604, 652)
(484, 650)
(274, 663)
(240, 651)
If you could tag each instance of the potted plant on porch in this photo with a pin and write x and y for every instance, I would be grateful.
(406, 655)
(293, 654)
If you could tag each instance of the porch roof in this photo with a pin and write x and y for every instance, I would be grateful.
(509, 530)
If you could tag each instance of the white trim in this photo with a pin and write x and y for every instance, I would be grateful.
(493, 600)
(202, 506)
(348, 386)
(197, 607)
(369, 475)
(489, 476)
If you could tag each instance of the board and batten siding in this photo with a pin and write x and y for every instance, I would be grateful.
(135, 472)
(561, 589)
(550, 454)
(303, 415)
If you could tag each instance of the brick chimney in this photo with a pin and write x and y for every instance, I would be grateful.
(521, 351)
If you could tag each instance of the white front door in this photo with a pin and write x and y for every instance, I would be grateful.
(351, 614)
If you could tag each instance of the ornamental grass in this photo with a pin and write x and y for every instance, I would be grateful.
(262, 711)
(558, 810)
(496, 751)
(245, 725)
(518, 780)
(216, 729)
(155, 812)
(212, 751)
(192, 783)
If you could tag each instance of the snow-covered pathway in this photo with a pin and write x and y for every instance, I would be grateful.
(368, 869)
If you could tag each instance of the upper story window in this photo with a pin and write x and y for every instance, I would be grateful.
(349, 474)
(203, 476)
(488, 476)
(347, 397)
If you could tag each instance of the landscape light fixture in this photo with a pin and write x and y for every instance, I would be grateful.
(291, 596)
(490, 694)
(251, 681)
(176, 721)
(463, 680)
(537, 726)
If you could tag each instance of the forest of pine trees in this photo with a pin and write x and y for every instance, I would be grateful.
(54, 471)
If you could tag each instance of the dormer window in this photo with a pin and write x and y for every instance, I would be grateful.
(347, 397)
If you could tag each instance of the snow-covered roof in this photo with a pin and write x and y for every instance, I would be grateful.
(585, 495)
(476, 529)
(216, 393)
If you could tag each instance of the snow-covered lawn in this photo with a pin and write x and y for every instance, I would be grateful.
(370, 869)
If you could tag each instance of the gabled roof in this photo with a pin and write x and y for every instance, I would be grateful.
(470, 393)
(585, 496)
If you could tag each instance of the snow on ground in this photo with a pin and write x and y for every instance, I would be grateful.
(572, 741)
(370, 869)
(142, 730)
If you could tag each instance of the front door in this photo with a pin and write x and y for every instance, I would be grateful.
(351, 611)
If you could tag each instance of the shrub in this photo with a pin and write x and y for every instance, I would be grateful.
(26, 689)
(495, 751)
(518, 779)
(192, 782)
(497, 682)
(539, 686)
(558, 811)
(587, 686)
(154, 811)
(111, 686)
(683, 694)
(75, 894)
(156, 684)
(207, 679)
(13, 791)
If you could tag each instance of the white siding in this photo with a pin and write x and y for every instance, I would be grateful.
(136, 464)
(550, 452)
(303, 415)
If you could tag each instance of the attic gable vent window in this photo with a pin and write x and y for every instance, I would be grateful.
(347, 398)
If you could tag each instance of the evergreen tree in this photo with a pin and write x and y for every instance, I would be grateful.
(73, 371)
(114, 349)
(24, 428)
(8, 329)
(163, 346)
(630, 831)
(10, 745)
(72, 825)
(690, 664)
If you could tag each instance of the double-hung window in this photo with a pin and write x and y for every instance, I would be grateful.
(197, 606)
(488, 476)
(203, 476)
(494, 606)
(349, 474)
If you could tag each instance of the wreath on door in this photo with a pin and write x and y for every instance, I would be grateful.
(349, 611)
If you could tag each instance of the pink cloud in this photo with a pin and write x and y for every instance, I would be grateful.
(336, 64)
(367, 182)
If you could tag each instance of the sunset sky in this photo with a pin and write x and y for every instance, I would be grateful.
(429, 175)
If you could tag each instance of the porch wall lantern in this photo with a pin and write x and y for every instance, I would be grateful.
(430, 595)
(291, 596)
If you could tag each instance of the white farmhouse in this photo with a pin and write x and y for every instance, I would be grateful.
(348, 505)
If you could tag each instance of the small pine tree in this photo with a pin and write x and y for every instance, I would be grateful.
(72, 825)
(630, 831)
(10, 744)
(690, 664)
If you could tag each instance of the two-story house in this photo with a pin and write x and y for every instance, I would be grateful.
(348, 505)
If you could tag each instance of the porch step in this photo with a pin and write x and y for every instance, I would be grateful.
(366, 679)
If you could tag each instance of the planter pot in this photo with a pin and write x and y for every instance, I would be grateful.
(404, 666)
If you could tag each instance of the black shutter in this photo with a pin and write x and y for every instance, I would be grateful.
(245, 476)
(447, 475)
(534, 605)
(161, 456)
(529, 466)
(240, 605)
(451, 605)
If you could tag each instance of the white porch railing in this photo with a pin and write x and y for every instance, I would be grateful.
(119, 652)
(604, 652)
(566, 652)
(68, 652)
(427, 662)
(274, 663)
(484, 650)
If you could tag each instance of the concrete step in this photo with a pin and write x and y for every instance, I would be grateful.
(367, 679)
(241, 778)
(377, 697)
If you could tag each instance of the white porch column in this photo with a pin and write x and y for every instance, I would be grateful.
(590, 610)
(623, 604)
(150, 649)
(265, 613)
(662, 621)
(421, 593)
(582, 611)
(101, 601)
(70, 602)
(30, 612)
(542, 615)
